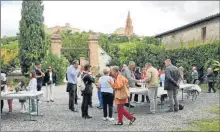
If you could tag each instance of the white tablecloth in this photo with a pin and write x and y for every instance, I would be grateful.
(21, 95)
(161, 91)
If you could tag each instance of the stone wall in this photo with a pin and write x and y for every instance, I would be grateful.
(193, 34)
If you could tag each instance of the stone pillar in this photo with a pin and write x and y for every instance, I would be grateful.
(56, 43)
(94, 47)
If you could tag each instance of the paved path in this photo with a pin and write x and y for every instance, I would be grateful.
(57, 117)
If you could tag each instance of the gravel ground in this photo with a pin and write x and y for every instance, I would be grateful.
(57, 117)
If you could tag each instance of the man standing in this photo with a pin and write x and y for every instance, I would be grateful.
(40, 76)
(172, 78)
(72, 74)
(129, 74)
(195, 75)
(123, 69)
(152, 84)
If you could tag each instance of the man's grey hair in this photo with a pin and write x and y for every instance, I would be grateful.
(148, 64)
(131, 63)
(75, 62)
(115, 68)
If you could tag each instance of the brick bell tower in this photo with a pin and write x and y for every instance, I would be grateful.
(128, 27)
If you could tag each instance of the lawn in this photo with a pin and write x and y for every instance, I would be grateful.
(208, 124)
(204, 87)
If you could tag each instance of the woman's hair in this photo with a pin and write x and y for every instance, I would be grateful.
(115, 68)
(33, 74)
(137, 70)
(106, 70)
(86, 67)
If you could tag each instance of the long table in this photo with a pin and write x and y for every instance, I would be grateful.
(23, 95)
(161, 91)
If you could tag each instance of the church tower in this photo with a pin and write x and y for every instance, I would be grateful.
(128, 27)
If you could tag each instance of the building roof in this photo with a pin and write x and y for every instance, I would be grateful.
(189, 25)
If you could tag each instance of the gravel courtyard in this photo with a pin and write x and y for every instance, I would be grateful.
(57, 117)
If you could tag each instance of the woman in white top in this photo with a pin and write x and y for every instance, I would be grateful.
(33, 88)
(107, 94)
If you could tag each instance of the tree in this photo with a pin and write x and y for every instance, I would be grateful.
(32, 46)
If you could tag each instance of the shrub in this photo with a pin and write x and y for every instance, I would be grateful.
(186, 56)
(59, 65)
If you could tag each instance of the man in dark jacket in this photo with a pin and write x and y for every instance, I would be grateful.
(211, 80)
(171, 84)
(87, 93)
(50, 80)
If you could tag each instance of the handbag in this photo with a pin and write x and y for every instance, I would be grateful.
(123, 93)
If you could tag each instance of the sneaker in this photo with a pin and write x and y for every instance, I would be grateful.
(22, 111)
(33, 113)
(111, 119)
(105, 118)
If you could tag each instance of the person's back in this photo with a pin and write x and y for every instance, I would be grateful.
(104, 83)
(152, 73)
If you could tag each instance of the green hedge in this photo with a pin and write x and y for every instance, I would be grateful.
(140, 53)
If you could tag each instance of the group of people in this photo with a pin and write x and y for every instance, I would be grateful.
(37, 79)
(113, 80)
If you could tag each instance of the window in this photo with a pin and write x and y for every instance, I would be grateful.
(204, 33)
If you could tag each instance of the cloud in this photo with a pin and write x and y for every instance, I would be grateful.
(148, 18)
(189, 10)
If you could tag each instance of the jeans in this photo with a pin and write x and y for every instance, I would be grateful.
(85, 104)
(122, 111)
(172, 94)
(72, 90)
(49, 91)
(33, 105)
(152, 93)
(90, 100)
(107, 102)
(100, 98)
(211, 87)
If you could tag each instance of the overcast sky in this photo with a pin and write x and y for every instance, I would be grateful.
(148, 17)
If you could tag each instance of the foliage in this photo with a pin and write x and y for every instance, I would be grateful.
(9, 56)
(8, 40)
(185, 57)
(32, 35)
(74, 45)
(59, 65)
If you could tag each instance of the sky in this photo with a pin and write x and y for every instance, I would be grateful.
(148, 17)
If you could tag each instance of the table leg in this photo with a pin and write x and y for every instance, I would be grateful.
(29, 112)
(38, 108)
(182, 94)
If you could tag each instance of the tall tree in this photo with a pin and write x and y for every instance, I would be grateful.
(32, 46)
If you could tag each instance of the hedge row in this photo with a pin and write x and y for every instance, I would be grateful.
(185, 57)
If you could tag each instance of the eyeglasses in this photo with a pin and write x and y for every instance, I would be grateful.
(49, 68)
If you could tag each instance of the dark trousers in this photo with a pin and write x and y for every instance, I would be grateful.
(90, 100)
(85, 104)
(211, 87)
(107, 99)
(2, 105)
(76, 96)
(72, 94)
(39, 86)
(142, 98)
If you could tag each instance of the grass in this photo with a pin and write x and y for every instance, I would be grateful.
(211, 124)
(204, 87)
(205, 125)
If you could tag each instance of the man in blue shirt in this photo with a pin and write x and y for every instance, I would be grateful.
(72, 74)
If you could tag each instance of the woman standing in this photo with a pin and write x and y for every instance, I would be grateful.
(119, 82)
(107, 94)
(33, 88)
(50, 81)
(211, 80)
(87, 93)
